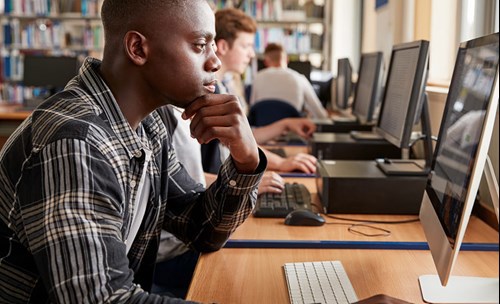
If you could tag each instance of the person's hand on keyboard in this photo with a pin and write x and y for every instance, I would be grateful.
(271, 182)
(300, 162)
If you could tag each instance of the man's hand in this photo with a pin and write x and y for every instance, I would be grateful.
(219, 116)
(271, 182)
(300, 162)
(304, 127)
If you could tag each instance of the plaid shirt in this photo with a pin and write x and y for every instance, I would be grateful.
(69, 177)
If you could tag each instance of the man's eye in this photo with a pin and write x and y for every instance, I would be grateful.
(201, 46)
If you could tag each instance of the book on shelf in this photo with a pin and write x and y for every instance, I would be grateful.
(294, 41)
(50, 7)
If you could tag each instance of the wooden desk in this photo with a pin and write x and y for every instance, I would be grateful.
(10, 119)
(275, 229)
(256, 275)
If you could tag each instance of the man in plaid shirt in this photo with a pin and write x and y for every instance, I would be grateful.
(90, 178)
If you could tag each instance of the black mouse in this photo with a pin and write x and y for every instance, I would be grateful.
(304, 217)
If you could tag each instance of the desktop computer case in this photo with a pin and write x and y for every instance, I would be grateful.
(344, 147)
(360, 187)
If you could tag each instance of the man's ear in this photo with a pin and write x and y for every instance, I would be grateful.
(136, 47)
(222, 46)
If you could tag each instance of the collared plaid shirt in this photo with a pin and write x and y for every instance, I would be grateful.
(69, 177)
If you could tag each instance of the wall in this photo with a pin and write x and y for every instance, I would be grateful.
(346, 30)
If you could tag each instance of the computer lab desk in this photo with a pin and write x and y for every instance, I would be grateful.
(10, 119)
(249, 275)
(272, 232)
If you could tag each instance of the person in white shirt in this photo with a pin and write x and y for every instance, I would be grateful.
(277, 81)
(235, 49)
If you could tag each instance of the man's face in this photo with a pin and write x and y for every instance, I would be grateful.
(237, 58)
(182, 63)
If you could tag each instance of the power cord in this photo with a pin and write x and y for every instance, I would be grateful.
(358, 223)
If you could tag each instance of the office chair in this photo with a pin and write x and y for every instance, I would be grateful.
(268, 111)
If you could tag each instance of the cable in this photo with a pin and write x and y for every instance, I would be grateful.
(372, 221)
(367, 224)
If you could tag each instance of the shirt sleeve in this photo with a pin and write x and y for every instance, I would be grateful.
(205, 220)
(312, 103)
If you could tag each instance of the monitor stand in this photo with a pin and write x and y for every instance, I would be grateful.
(459, 289)
(412, 167)
(465, 289)
(401, 167)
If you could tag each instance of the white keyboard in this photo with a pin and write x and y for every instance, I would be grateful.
(319, 282)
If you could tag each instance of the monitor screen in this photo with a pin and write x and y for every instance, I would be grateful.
(368, 87)
(404, 90)
(303, 67)
(36, 67)
(460, 153)
(343, 83)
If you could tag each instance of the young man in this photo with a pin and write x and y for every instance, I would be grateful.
(277, 81)
(90, 178)
(235, 48)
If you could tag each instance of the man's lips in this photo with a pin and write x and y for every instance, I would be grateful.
(210, 86)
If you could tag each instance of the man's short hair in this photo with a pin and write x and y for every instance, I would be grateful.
(274, 51)
(229, 22)
(116, 14)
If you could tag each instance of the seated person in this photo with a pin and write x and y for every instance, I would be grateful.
(235, 49)
(90, 178)
(277, 81)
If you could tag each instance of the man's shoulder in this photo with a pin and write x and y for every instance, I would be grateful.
(68, 114)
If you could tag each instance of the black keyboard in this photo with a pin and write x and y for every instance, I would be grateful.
(294, 196)
(280, 151)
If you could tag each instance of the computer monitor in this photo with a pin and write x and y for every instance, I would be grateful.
(458, 163)
(51, 72)
(303, 67)
(343, 84)
(368, 87)
(404, 92)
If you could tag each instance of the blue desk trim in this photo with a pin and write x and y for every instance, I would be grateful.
(350, 245)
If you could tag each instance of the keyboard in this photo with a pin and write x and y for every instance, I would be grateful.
(280, 151)
(292, 139)
(319, 282)
(366, 135)
(351, 119)
(294, 196)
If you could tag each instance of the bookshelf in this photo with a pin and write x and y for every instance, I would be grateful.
(301, 26)
(46, 27)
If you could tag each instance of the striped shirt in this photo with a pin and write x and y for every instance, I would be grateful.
(69, 177)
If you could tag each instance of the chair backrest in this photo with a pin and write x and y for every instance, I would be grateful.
(268, 111)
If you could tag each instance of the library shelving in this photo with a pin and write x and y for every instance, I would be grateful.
(301, 26)
(47, 27)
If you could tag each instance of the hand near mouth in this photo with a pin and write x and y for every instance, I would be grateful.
(219, 116)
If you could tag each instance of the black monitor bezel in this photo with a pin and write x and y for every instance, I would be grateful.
(343, 68)
(416, 96)
(375, 88)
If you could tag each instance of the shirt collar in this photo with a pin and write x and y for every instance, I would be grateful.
(132, 141)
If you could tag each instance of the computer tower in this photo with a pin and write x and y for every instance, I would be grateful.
(343, 146)
(360, 187)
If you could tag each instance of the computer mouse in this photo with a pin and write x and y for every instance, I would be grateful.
(304, 217)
